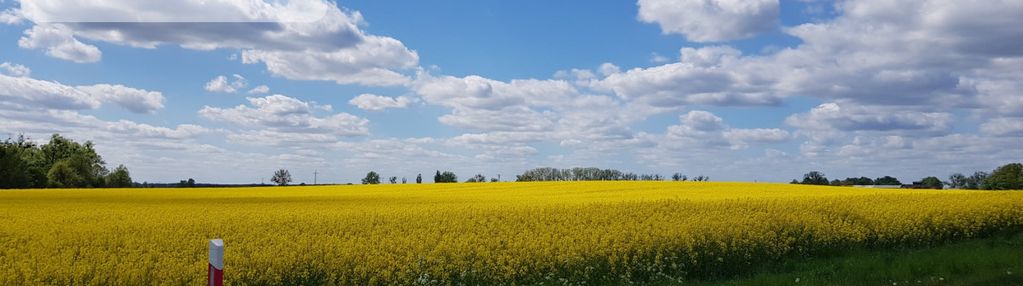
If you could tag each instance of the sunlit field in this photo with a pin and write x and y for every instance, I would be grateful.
(569, 233)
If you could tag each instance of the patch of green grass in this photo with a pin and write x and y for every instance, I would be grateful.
(996, 260)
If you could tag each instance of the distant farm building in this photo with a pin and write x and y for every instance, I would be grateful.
(878, 186)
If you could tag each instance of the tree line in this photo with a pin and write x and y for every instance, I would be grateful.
(282, 177)
(60, 163)
(64, 163)
(594, 174)
(1005, 177)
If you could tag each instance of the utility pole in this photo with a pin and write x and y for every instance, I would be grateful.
(315, 174)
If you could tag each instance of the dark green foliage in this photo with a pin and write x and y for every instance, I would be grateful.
(814, 178)
(81, 158)
(21, 164)
(445, 177)
(857, 181)
(371, 178)
(973, 182)
(62, 175)
(61, 163)
(1007, 177)
(932, 183)
(190, 183)
(119, 178)
(887, 180)
(584, 174)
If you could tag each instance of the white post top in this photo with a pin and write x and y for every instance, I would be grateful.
(217, 253)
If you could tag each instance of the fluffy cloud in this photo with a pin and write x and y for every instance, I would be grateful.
(284, 114)
(11, 16)
(133, 99)
(485, 104)
(40, 94)
(1003, 127)
(183, 131)
(370, 62)
(45, 122)
(715, 75)
(514, 118)
(849, 117)
(303, 39)
(59, 42)
(700, 128)
(711, 20)
(260, 89)
(742, 138)
(375, 102)
(15, 70)
(927, 54)
(222, 84)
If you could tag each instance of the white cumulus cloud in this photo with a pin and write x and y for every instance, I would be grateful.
(280, 113)
(711, 20)
(373, 102)
(59, 42)
(222, 84)
(15, 70)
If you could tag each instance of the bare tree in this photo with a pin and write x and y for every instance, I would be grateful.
(282, 177)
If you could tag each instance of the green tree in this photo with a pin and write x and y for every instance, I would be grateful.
(187, 183)
(887, 180)
(82, 159)
(814, 178)
(957, 181)
(20, 164)
(371, 178)
(1006, 177)
(975, 181)
(281, 177)
(119, 178)
(445, 177)
(857, 181)
(932, 182)
(62, 175)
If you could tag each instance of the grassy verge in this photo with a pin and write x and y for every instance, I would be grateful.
(996, 260)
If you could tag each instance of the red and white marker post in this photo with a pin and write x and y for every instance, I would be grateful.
(216, 269)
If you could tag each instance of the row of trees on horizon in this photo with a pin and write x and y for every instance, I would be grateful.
(64, 163)
(1005, 177)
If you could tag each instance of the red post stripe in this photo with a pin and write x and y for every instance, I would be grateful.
(216, 276)
(216, 263)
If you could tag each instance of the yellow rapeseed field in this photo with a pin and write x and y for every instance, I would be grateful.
(566, 233)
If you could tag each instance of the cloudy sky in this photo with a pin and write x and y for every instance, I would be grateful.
(227, 91)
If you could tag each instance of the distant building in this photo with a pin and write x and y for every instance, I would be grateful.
(919, 185)
(878, 186)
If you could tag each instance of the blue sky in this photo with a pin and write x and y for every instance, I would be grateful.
(227, 91)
